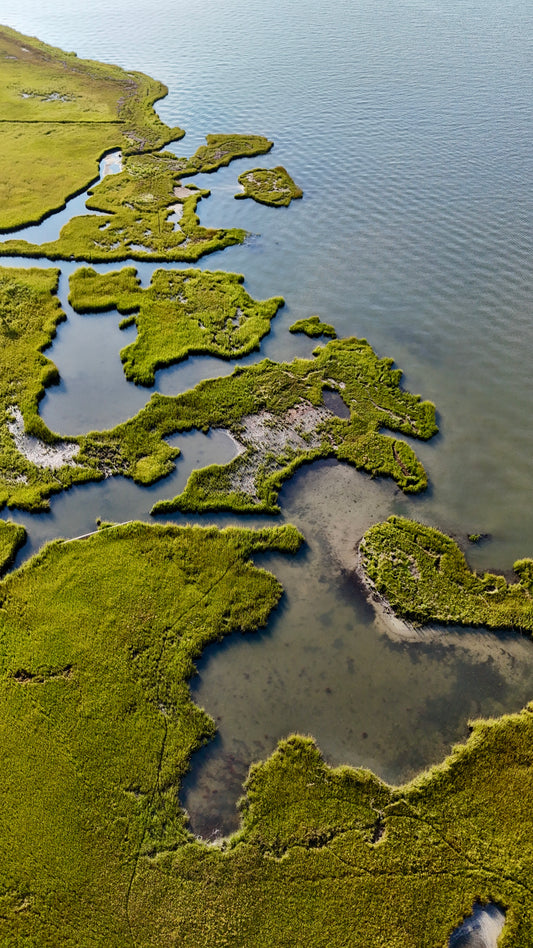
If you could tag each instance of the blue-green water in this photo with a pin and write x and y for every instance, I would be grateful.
(408, 125)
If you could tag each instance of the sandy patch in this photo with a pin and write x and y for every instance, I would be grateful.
(52, 456)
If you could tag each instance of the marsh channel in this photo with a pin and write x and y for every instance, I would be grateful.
(407, 128)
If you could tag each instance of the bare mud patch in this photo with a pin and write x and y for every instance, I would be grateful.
(52, 456)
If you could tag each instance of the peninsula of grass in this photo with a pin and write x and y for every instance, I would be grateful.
(143, 214)
(34, 462)
(272, 186)
(313, 327)
(275, 413)
(98, 728)
(424, 576)
(60, 114)
(181, 313)
(12, 537)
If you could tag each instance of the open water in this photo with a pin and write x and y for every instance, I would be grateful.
(408, 125)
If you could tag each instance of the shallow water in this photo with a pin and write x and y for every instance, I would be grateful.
(481, 929)
(408, 126)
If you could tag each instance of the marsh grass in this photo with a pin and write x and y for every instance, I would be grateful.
(313, 327)
(97, 729)
(12, 537)
(138, 203)
(272, 186)
(97, 724)
(181, 313)
(29, 315)
(424, 576)
(60, 115)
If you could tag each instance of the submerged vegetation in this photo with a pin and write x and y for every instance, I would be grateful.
(97, 730)
(424, 576)
(59, 115)
(182, 312)
(313, 327)
(273, 186)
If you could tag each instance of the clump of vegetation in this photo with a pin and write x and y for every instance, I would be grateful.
(182, 312)
(424, 576)
(98, 638)
(135, 208)
(313, 327)
(97, 724)
(12, 537)
(220, 150)
(59, 115)
(34, 462)
(276, 414)
(273, 186)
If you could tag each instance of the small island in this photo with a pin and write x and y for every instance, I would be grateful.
(424, 577)
(313, 327)
(272, 186)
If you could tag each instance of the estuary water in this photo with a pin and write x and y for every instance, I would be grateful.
(408, 125)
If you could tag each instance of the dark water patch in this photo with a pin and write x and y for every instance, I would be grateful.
(335, 403)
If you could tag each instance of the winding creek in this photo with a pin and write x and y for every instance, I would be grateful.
(408, 130)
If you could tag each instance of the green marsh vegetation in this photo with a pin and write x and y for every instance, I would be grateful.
(273, 186)
(424, 576)
(134, 221)
(276, 414)
(12, 537)
(59, 115)
(181, 313)
(313, 327)
(139, 204)
(98, 639)
(34, 462)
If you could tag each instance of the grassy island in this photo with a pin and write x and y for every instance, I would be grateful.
(144, 213)
(273, 186)
(60, 114)
(276, 414)
(313, 327)
(34, 462)
(182, 312)
(12, 537)
(97, 727)
(424, 576)
(274, 411)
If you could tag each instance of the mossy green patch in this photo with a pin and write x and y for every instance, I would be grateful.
(12, 537)
(97, 643)
(135, 208)
(424, 576)
(34, 462)
(221, 149)
(276, 414)
(59, 115)
(273, 186)
(313, 327)
(182, 312)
